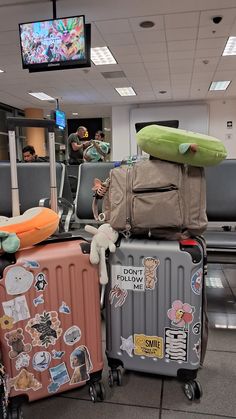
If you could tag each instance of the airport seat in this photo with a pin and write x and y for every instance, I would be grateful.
(73, 175)
(221, 211)
(33, 182)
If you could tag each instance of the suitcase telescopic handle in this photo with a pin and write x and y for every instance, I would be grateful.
(49, 124)
(13, 122)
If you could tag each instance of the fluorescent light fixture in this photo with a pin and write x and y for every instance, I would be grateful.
(102, 56)
(230, 47)
(41, 96)
(75, 113)
(125, 91)
(219, 85)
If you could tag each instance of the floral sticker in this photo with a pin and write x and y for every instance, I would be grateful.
(181, 314)
(6, 322)
(44, 329)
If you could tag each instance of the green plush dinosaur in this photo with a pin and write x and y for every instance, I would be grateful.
(181, 146)
(9, 242)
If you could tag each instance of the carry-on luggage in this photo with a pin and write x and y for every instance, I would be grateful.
(50, 329)
(154, 310)
(154, 197)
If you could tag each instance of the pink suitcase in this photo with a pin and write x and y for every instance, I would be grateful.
(50, 326)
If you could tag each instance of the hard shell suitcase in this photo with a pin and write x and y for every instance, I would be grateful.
(154, 309)
(50, 328)
(50, 332)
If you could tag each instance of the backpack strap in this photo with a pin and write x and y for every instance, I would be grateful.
(99, 188)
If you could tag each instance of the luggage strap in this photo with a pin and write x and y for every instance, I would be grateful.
(100, 189)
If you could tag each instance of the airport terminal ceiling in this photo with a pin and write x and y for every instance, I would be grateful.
(172, 58)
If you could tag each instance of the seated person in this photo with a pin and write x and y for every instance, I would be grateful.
(98, 150)
(29, 155)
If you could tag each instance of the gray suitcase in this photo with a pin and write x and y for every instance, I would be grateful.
(154, 310)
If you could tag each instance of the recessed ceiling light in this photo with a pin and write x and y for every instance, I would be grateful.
(125, 91)
(75, 113)
(2, 71)
(230, 47)
(41, 96)
(219, 85)
(102, 56)
(147, 24)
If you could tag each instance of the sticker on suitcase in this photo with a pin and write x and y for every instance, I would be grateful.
(18, 280)
(80, 361)
(44, 329)
(22, 361)
(6, 322)
(72, 335)
(15, 339)
(176, 345)
(25, 381)
(41, 361)
(33, 264)
(17, 308)
(196, 282)
(40, 282)
(131, 278)
(59, 375)
(181, 314)
(143, 345)
(151, 346)
(197, 348)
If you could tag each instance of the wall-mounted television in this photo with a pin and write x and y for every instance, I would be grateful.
(55, 44)
(60, 118)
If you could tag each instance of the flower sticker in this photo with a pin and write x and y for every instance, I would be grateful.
(6, 322)
(181, 314)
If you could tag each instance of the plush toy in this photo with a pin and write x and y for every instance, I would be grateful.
(34, 226)
(181, 146)
(104, 238)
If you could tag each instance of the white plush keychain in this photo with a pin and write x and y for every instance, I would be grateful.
(104, 237)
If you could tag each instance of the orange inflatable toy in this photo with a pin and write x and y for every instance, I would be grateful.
(32, 227)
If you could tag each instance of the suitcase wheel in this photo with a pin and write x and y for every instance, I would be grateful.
(115, 377)
(193, 390)
(96, 390)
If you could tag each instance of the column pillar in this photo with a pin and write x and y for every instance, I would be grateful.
(36, 136)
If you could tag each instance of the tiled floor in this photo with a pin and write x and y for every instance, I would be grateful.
(144, 396)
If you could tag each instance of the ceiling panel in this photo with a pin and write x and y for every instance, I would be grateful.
(180, 54)
(182, 20)
(107, 27)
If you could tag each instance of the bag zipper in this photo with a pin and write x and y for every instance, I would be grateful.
(161, 189)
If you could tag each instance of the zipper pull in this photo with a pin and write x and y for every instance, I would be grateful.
(127, 233)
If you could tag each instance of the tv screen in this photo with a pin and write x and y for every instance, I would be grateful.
(55, 44)
(60, 118)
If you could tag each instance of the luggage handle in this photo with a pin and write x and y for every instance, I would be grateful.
(12, 123)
